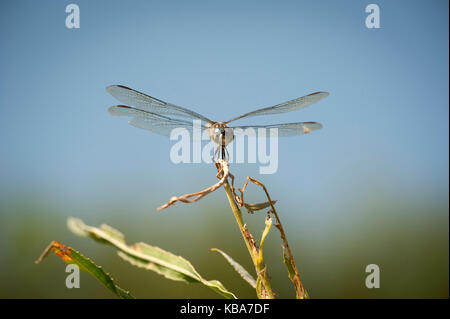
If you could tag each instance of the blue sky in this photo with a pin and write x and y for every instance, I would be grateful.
(385, 121)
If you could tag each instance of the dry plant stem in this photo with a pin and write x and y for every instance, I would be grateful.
(46, 252)
(301, 292)
(251, 246)
(222, 173)
(238, 216)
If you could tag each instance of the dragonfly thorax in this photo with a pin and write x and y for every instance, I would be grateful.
(220, 133)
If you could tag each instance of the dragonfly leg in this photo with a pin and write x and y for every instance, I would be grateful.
(215, 154)
(227, 155)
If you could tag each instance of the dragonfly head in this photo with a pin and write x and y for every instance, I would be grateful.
(220, 133)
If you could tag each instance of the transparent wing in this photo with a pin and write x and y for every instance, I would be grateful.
(153, 122)
(286, 129)
(288, 106)
(151, 104)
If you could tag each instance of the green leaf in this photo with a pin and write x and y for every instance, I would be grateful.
(71, 256)
(259, 206)
(146, 256)
(240, 270)
(268, 223)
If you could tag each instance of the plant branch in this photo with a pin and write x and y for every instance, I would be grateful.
(300, 290)
(263, 277)
(222, 173)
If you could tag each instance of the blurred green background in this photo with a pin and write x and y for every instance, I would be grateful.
(409, 241)
(371, 187)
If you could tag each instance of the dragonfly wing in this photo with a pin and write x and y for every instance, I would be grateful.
(288, 106)
(151, 104)
(286, 129)
(150, 121)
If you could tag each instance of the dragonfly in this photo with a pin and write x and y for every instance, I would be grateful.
(161, 117)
